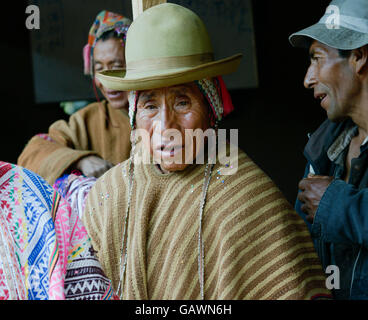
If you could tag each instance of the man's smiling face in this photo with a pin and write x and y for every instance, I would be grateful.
(333, 80)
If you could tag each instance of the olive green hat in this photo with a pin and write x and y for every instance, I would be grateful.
(167, 45)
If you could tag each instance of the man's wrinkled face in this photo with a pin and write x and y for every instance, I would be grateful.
(333, 80)
(165, 112)
(110, 55)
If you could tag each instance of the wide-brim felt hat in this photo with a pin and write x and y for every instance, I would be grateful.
(343, 26)
(167, 45)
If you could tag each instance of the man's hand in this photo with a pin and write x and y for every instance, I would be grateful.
(93, 166)
(312, 189)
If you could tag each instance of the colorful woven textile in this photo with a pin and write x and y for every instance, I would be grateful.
(45, 252)
(44, 136)
(74, 188)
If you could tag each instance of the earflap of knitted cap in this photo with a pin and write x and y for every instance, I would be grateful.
(133, 100)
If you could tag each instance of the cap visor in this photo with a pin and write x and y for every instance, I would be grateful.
(341, 38)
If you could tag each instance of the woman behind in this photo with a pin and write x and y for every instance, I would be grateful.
(97, 136)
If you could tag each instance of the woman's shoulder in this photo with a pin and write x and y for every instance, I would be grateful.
(92, 109)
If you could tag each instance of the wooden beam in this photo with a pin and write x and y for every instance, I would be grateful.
(140, 5)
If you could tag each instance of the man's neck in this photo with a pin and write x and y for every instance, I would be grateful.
(360, 113)
(362, 136)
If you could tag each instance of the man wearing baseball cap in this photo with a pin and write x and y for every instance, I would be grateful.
(333, 196)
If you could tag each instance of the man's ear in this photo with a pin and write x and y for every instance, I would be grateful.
(360, 59)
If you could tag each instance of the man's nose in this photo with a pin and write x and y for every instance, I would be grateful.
(168, 118)
(310, 78)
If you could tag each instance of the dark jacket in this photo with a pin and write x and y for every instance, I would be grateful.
(340, 227)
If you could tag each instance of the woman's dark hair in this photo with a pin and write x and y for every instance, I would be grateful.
(111, 34)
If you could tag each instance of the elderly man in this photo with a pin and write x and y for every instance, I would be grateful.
(333, 195)
(182, 230)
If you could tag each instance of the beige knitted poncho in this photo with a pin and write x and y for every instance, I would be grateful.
(86, 133)
(255, 245)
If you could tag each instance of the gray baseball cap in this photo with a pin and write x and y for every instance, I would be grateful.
(343, 26)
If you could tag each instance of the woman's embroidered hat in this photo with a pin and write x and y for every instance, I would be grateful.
(167, 45)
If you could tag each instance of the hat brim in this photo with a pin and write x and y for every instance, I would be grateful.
(116, 79)
(341, 38)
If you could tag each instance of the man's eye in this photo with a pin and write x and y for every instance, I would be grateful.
(183, 103)
(150, 107)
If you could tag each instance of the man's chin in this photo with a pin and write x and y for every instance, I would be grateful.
(336, 118)
(172, 167)
(118, 106)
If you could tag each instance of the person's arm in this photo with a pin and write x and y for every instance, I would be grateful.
(298, 203)
(342, 214)
(50, 155)
(65, 147)
(333, 209)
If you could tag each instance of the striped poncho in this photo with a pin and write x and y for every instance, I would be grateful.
(255, 245)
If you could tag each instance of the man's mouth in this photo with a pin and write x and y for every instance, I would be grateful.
(321, 97)
(114, 94)
(169, 150)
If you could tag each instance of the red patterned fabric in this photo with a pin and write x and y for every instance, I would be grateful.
(45, 252)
